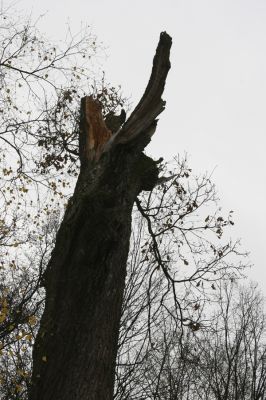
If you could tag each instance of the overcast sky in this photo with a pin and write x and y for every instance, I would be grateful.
(216, 90)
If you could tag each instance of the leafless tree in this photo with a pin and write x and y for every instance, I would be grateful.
(223, 361)
(232, 354)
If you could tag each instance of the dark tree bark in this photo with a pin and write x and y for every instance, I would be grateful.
(75, 350)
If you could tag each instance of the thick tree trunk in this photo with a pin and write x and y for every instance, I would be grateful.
(75, 350)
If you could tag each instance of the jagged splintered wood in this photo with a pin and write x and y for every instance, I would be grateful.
(75, 350)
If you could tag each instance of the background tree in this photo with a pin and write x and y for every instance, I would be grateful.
(223, 360)
(232, 354)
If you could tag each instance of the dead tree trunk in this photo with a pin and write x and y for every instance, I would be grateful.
(75, 350)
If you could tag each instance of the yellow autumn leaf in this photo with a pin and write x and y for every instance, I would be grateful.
(2, 317)
(22, 373)
(19, 388)
(32, 320)
(4, 303)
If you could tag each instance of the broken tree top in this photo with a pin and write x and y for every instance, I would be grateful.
(95, 137)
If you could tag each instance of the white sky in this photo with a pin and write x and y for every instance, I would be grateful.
(216, 90)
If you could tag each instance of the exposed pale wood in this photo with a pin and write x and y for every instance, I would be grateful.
(93, 131)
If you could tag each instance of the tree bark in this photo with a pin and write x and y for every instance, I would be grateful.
(75, 350)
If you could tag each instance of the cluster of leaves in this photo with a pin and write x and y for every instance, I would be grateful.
(21, 301)
(41, 87)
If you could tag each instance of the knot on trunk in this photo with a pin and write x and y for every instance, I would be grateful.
(114, 122)
(148, 172)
